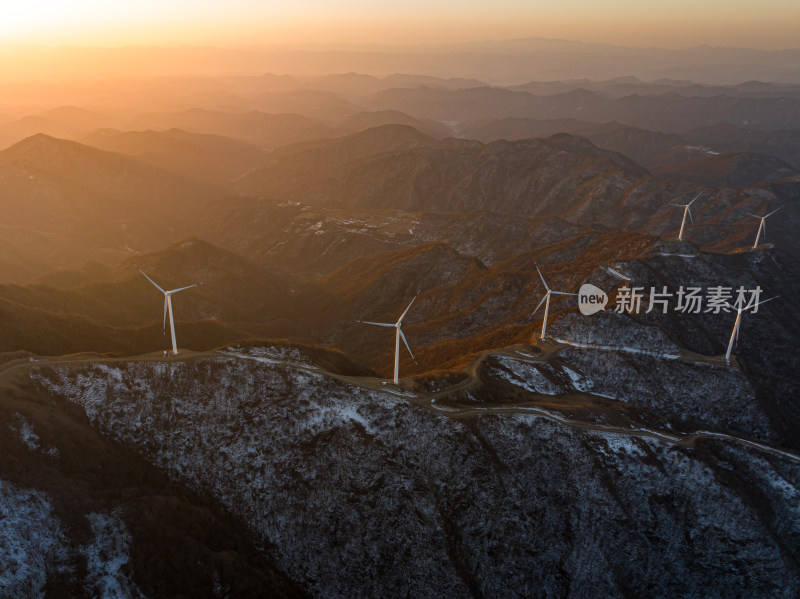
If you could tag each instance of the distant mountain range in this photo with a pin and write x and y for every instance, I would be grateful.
(257, 128)
(731, 170)
(784, 144)
(649, 148)
(561, 175)
(668, 113)
(500, 62)
(209, 158)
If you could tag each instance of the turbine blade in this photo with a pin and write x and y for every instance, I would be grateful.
(540, 304)
(764, 227)
(403, 337)
(761, 303)
(542, 278)
(377, 324)
(753, 215)
(184, 288)
(774, 211)
(165, 314)
(403, 315)
(151, 280)
(678, 205)
(695, 198)
(689, 212)
(563, 293)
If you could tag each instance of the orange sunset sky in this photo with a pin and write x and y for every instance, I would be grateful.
(768, 24)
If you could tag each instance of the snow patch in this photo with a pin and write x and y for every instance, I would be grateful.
(33, 545)
(623, 444)
(108, 570)
(579, 381)
(528, 376)
(25, 431)
(28, 436)
(617, 273)
(622, 348)
(275, 354)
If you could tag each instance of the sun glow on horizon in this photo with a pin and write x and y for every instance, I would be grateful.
(675, 23)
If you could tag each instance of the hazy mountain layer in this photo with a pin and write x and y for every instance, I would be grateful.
(66, 204)
(204, 157)
(735, 138)
(731, 170)
(648, 148)
(262, 129)
(668, 113)
(565, 176)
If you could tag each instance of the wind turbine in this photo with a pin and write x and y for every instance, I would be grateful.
(761, 225)
(168, 306)
(735, 332)
(398, 334)
(686, 211)
(546, 301)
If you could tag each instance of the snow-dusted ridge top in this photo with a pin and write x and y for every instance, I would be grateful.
(532, 373)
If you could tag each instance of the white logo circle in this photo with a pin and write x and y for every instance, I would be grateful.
(591, 299)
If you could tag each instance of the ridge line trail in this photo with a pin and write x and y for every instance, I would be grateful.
(422, 400)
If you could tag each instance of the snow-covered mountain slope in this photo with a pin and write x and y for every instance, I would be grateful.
(357, 489)
(83, 516)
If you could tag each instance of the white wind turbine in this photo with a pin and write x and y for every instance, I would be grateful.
(168, 306)
(398, 334)
(735, 332)
(546, 301)
(762, 226)
(686, 211)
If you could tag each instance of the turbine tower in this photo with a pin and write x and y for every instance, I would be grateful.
(762, 226)
(735, 332)
(168, 306)
(546, 301)
(397, 336)
(686, 211)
